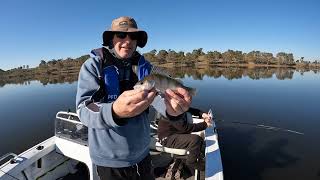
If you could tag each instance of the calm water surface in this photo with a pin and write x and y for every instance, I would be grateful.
(27, 113)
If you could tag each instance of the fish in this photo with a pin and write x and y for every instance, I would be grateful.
(161, 83)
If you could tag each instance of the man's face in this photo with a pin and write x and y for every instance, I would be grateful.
(124, 44)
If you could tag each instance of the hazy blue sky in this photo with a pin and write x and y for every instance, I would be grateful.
(31, 30)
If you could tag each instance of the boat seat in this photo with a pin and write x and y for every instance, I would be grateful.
(176, 154)
(155, 145)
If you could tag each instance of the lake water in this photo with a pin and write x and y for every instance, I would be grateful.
(281, 98)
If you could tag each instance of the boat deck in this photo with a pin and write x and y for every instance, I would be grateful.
(163, 161)
(160, 161)
(66, 156)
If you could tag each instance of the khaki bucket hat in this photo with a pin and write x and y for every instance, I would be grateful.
(125, 24)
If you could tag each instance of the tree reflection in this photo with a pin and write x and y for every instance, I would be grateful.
(50, 79)
(231, 73)
(196, 72)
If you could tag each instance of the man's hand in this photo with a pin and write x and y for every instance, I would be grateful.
(133, 102)
(207, 118)
(177, 101)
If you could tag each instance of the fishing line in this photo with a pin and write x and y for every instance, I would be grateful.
(261, 126)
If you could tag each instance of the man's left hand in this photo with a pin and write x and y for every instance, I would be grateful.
(207, 118)
(177, 101)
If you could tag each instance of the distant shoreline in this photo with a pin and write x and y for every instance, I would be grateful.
(54, 74)
(75, 68)
(68, 69)
(251, 65)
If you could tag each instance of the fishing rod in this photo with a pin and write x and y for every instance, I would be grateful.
(261, 126)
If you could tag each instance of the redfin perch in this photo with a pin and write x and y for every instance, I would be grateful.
(161, 83)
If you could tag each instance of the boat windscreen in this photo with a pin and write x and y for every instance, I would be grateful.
(68, 126)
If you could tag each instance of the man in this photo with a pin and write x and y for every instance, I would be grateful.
(115, 114)
(177, 134)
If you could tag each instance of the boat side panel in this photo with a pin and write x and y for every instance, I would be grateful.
(214, 169)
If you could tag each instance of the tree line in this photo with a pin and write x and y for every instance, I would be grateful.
(47, 71)
(197, 56)
(165, 57)
(231, 72)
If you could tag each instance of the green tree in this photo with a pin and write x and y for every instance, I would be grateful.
(227, 56)
(60, 64)
(189, 59)
(151, 56)
(172, 56)
(258, 57)
(196, 53)
(285, 58)
(161, 56)
(232, 56)
(42, 63)
(53, 62)
(213, 57)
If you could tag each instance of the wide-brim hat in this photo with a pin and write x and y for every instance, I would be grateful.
(125, 24)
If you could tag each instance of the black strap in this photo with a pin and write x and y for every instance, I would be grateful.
(101, 92)
(106, 60)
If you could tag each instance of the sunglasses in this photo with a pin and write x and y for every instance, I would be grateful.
(123, 35)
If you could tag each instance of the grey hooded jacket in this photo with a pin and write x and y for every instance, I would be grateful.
(110, 144)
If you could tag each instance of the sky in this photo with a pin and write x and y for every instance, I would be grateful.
(35, 30)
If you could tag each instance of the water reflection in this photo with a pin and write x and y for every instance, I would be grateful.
(44, 80)
(279, 97)
(272, 155)
(234, 72)
(197, 73)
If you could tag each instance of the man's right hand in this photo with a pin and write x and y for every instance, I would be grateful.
(132, 102)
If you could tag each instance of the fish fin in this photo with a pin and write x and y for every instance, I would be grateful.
(179, 80)
(152, 84)
(135, 69)
(159, 70)
(192, 91)
(140, 87)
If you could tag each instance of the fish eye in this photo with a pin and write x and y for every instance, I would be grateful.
(141, 83)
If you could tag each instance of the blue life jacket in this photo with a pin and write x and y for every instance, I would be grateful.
(109, 89)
